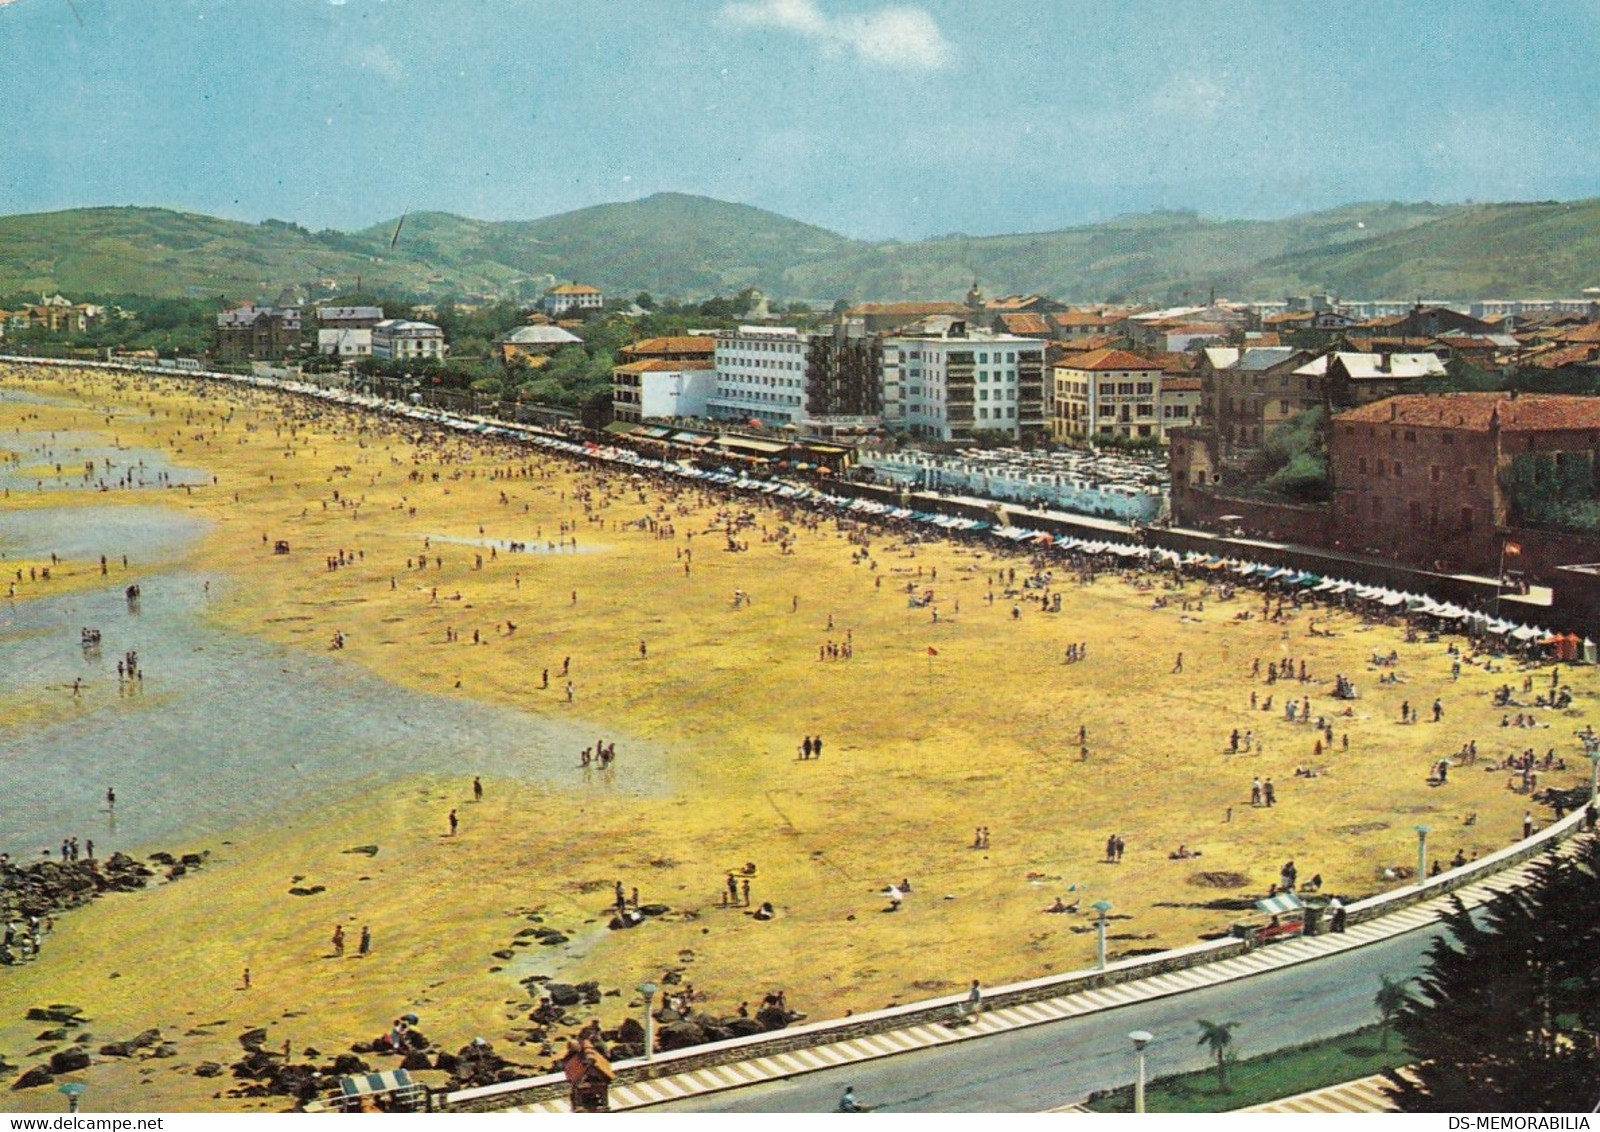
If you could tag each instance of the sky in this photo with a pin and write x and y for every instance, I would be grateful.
(874, 118)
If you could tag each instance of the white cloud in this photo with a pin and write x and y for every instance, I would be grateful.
(902, 37)
(377, 58)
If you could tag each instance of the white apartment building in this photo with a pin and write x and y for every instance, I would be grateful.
(399, 339)
(572, 297)
(946, 382)
(656, 389)
(761, 375)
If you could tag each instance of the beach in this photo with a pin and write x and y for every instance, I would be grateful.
(438, 597)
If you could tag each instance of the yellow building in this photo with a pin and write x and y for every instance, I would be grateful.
(1107, 393)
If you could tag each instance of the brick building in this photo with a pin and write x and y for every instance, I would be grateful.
(1422, 476)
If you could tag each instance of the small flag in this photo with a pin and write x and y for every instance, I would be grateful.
(1513, 548)
(932, 651)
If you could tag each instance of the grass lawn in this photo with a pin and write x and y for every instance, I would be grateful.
(1266, 1078)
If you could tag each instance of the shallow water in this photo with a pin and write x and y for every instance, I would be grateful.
(531, 545)
(61, 461)
(225, 729)
(144, 534)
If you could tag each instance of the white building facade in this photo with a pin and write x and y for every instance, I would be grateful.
(572, 297)
(658, 389)
(399, 339)
(950, 384)
(760, 375)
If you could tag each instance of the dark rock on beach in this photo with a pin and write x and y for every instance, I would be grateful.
(33, 1078)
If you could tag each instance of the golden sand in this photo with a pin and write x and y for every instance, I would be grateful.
(920, 750)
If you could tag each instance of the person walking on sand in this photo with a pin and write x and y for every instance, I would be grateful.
(569, 691)
(477, 788)
(111, 799)
(453, 823)
(338, 941)
(245, 980)
(1178, 664)
(364, 948)
(974, 1001)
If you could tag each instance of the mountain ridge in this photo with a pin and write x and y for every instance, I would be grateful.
(687, 246)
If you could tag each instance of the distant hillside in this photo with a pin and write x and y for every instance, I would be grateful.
(685, 246)
(666, 244)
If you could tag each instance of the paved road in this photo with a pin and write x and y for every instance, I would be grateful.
(1041, 1067)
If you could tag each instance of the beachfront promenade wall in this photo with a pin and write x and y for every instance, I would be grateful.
(1064, 491)
(940, 1010)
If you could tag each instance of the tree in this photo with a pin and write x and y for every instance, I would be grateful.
(1389, 1000)
(1218, 1036)
(1509, 1004)
(1294, 459)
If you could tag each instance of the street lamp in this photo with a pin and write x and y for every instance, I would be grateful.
(72, 1090)
(1422, 853)
(1140, 1039)
(649, 992)
(1102, 907)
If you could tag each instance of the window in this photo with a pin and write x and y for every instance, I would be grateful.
(1362, 465)
(1377, 506)
(1411, 435)
(1399, 469)
(1433, 515)
(1466, 518)
(1433, 474)
(1416, 512)
(1472, 477)
(1145, 388)
(1145, 409)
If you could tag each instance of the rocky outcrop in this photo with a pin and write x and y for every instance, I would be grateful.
(49, 887)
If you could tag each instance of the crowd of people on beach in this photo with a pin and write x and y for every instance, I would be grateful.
(1024, 579)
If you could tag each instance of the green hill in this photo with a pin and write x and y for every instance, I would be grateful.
(673, 244)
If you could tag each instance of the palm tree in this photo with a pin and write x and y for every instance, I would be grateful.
(1391, 998)
(1219, 1037)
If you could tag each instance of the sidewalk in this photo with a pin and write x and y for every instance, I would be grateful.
(1001, 1019)
(1367, 1094)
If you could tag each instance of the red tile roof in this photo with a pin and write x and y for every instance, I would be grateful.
(1087, 319)
(907, 310)
(1100, 360)
(1589, 332)
(1529, 412)
(678, 344)
(662, 365)
(1171, 384)
(1024, 324)
(1565, 356)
